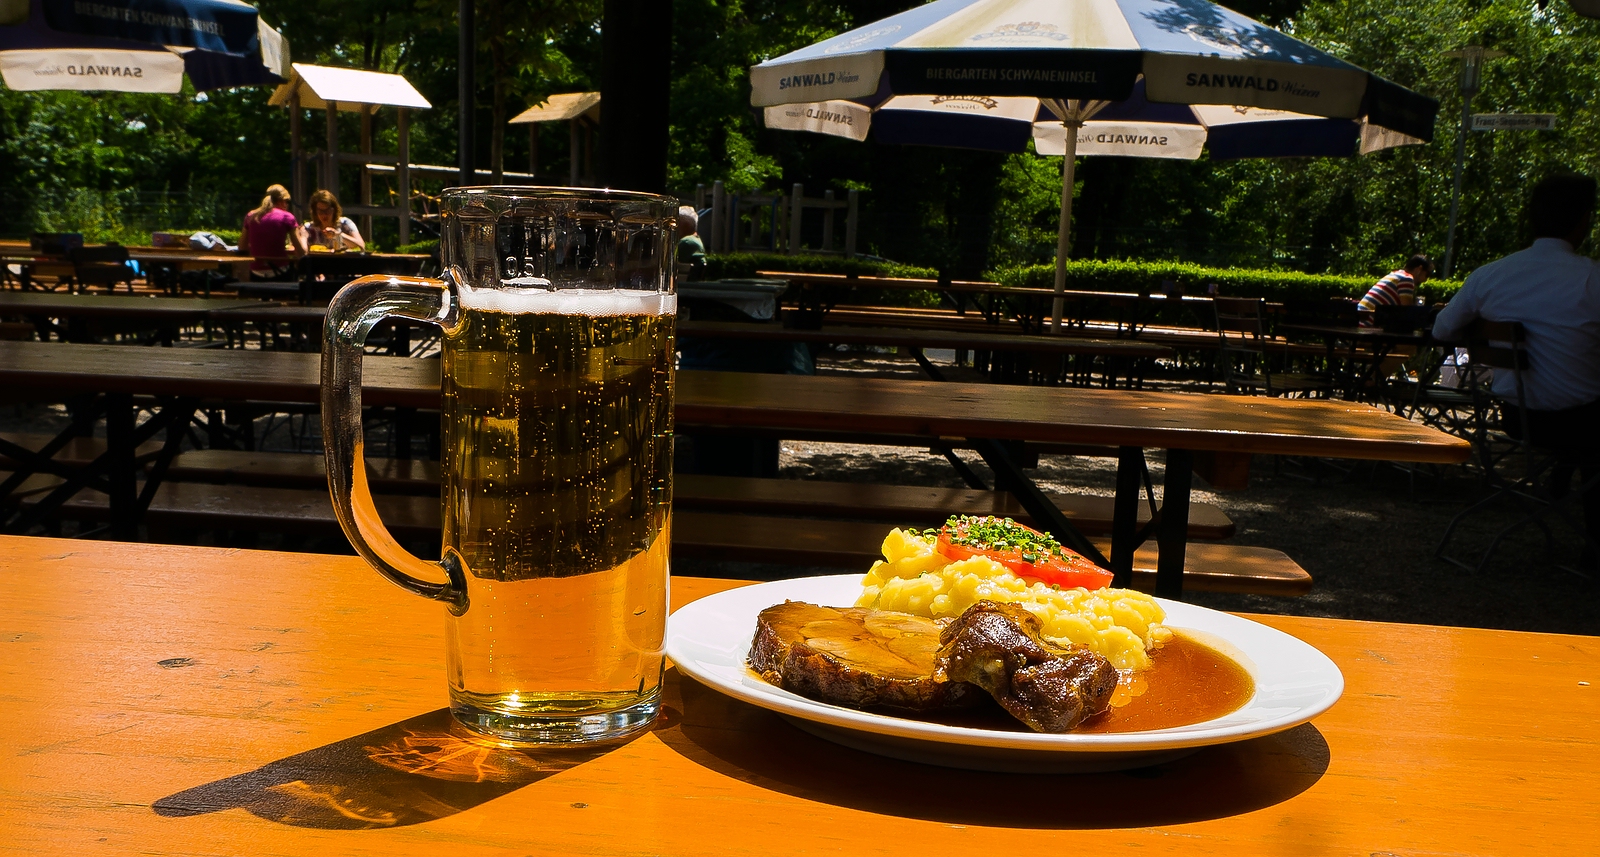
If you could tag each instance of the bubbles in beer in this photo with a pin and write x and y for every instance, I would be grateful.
(559, 403)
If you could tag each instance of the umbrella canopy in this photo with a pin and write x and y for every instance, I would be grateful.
(1143, 68)
(52, 44)
(1134, 127)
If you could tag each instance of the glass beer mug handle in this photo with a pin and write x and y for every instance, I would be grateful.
(352, 314)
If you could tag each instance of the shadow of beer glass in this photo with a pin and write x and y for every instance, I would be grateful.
(420, 769)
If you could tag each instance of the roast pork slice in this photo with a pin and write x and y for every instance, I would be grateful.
(1048, 687)
(855, 657)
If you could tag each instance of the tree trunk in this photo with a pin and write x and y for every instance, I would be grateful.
(635, 85)
(497, 134)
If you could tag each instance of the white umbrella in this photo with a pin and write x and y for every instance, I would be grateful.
(1069, 62)
(137, 45)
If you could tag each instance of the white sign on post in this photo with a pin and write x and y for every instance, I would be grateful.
(1513, 121)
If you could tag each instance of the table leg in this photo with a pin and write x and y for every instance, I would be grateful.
(1125, 514)
(399, 338)
(1173, 534)
(404, 420)
(926, 364)
(121, 469)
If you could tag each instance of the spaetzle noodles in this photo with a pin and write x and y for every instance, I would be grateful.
(1122, 625)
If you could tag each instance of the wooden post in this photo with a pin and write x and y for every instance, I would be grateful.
(533, 151)
(797, 207)
(366, 174)
(718, 225)
(331, 179)
(577, 153)
(402, 170)
(850, 228)
(827, 221)
(297, 167)
(588, 153)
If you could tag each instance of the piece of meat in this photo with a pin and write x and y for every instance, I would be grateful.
(1050, 688)
(855, 657)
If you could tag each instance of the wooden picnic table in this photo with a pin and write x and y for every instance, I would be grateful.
(165, 700)
(1367, 348)
(167, 314)
(305, 326)
(171, 259)
(310, 318)
(117, 306)
(918, 340)
(1027, 304)
(1222, 431)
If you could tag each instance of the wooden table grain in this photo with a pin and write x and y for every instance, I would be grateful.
(198, 701)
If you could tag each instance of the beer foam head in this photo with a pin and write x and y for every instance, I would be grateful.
(590, 302)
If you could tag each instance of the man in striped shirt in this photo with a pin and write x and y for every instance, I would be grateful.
(1397, 289)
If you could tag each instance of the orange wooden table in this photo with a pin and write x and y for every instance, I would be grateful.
(197, 701)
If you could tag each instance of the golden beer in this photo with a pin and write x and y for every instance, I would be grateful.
(558, 421)
(558, 315)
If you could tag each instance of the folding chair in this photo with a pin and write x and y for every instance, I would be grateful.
(1425, 396)
(105, 265)
(1512, 464)
(1243, 353)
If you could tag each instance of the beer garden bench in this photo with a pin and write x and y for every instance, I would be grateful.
(800, 522)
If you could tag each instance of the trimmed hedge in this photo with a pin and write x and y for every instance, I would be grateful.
(428, 245)
(1131, 276)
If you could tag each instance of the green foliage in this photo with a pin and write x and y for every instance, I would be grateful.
(430, 245)
(1130, 276)
(1364, 214)
(115, 165)
(1030, 208)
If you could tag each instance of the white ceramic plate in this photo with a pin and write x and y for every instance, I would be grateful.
(709, 639)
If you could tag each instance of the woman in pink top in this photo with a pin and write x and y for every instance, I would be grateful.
(268, 230)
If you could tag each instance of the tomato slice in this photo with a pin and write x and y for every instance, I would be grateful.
(1025, 551)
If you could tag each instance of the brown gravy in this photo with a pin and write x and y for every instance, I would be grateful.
(1187, 682)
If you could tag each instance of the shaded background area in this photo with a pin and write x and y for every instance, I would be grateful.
(94, 162)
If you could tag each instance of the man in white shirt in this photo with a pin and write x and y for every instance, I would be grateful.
(1555, 294)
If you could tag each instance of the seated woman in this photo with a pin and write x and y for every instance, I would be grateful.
(269, 231)
(328, 228)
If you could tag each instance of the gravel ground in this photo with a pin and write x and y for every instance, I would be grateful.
(1366, 532)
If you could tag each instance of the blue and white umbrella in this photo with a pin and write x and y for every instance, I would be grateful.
(1130, 128)
(137, 45)
(1161, 78)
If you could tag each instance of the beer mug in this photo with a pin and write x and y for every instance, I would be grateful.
(558, 316)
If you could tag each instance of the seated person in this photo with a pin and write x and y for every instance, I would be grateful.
(269, 231)
(691, 250)
(1555, 294)
(1399, 288)
(328, 228)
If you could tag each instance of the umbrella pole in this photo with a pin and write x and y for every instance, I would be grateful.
(1063, 245)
